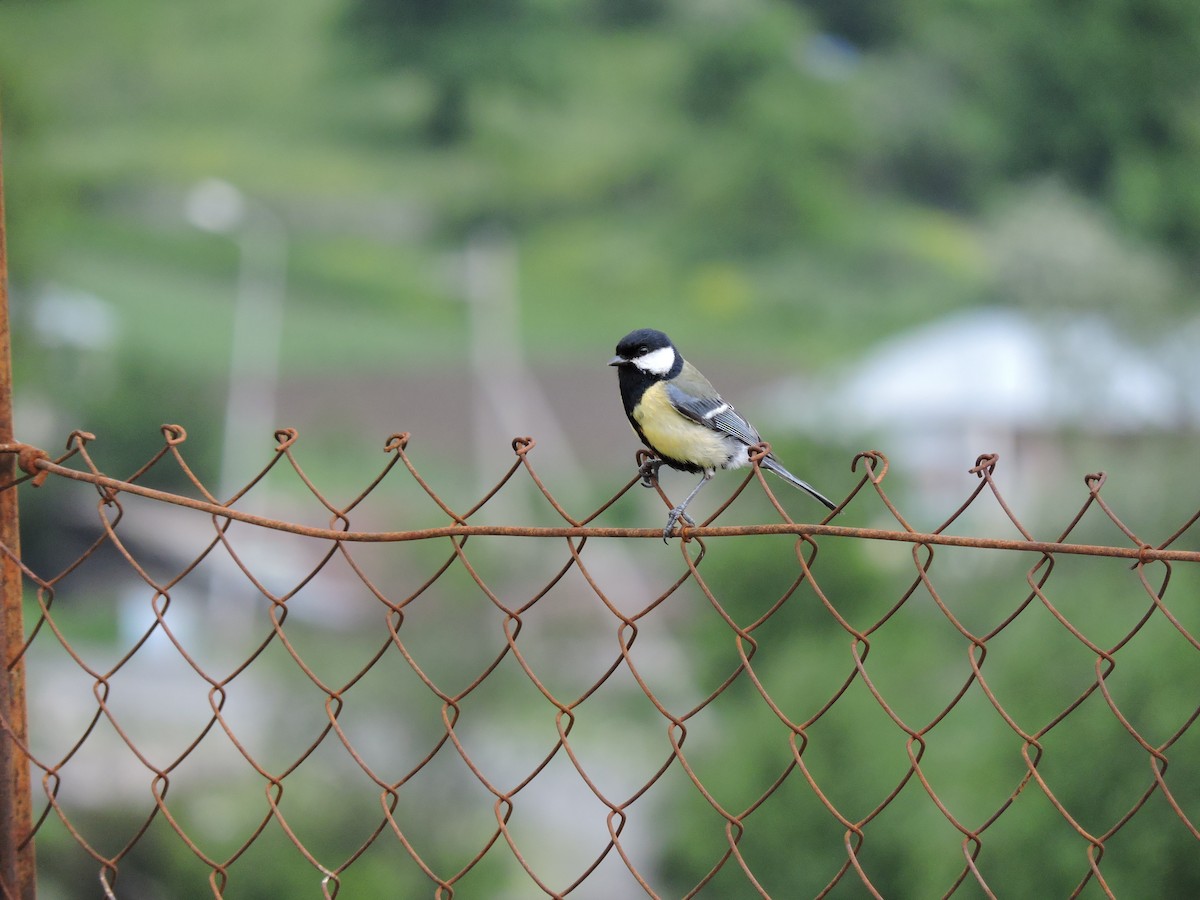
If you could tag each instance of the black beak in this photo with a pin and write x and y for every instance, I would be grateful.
(617, 361)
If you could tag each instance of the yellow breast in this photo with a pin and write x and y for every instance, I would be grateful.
(673, 435)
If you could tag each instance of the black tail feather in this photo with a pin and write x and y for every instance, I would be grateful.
(771, 464)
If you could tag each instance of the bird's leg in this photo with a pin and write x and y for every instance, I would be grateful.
(649, 471)
(678, 512)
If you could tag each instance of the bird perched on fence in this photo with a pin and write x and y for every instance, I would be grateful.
(680, 416)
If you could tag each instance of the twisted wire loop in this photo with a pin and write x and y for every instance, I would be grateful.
(446, 708)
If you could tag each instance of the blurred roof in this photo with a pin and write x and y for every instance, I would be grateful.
(994, 367)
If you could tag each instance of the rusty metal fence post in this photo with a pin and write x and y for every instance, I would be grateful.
(17, 869)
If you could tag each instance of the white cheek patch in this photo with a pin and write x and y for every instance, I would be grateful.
(658, 362)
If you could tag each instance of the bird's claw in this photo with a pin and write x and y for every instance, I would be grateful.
(649, 472)
(672, 518)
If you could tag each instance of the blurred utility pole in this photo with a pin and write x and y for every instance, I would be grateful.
(490, 288)
(262, 240)
(509, 401)
(18, 873)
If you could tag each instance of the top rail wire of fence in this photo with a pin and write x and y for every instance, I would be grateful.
(227, 704)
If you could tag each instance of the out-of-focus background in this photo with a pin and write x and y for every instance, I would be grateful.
(935, 228)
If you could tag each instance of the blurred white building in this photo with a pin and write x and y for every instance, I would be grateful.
(997, 380)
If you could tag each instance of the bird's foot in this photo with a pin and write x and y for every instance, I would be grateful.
(649, 472)
(672, 518)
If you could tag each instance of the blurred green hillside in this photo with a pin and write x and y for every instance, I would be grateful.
(792, 179)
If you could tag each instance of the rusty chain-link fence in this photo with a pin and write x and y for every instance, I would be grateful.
(226, 704)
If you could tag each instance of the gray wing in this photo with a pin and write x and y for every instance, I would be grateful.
(713, 412)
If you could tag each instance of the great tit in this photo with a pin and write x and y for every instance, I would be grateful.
(679, 415)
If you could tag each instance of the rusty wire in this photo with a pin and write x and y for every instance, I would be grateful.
(626, 815)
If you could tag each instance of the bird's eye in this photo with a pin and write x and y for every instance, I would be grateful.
(643, 349)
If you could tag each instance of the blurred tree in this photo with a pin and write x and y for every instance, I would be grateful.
(723, 67)
(1101, 93)
(1046, 241)
(628, 13)
(453, 43)
(868, 23)
(767, 154)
